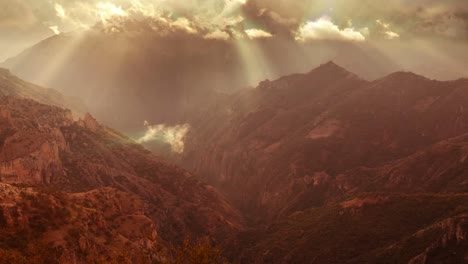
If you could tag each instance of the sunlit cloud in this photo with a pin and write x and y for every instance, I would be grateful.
(257, 33)
(381, 23)
(218, 34)
(60, 11)
(55, 30)
(324, 29)
(385, 29)
(107, 10)
(391, 35)
(172, 135)
(184, 24)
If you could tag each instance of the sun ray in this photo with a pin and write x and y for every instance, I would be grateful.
(254, 63)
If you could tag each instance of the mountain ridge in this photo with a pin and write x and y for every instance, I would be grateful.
(77, 186)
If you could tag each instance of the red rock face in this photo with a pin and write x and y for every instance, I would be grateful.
(110, 187)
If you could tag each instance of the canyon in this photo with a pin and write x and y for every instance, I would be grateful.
(321, 167)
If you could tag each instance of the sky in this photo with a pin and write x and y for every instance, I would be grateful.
(404, 31)
(348, 20)
(192, 45)
(439, 28)
(354, 19)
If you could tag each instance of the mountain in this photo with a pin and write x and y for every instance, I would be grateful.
(10, 85)
(324, 166)
(131, 75)
(280, 142)
(411, 210)
(370, 228)
(75, 190)
(132, 70)
(331, 168)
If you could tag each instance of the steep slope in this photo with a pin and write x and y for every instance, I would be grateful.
(441, 168)
(370, 228)
(107, 186)
(281, 143)
(340, 170)
(10, 85)
(410, 210)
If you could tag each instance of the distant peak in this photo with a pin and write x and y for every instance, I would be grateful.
(4, 71)
(332, 69)
(405, 75)
(330, 66)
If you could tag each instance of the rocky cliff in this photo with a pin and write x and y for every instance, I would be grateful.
(84, 190)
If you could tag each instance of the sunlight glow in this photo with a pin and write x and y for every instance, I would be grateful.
(324, 29)
(107, 10)
(255, 66)
(257, 33)
(172, 135)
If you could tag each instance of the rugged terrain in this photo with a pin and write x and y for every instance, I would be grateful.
(325, 166)
(288, 137)
(86, 191)
(329, 162)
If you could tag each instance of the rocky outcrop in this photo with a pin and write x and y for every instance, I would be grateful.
(10, 85)
(452, 231)
(87, 191)
(100, 223)
(89, 122)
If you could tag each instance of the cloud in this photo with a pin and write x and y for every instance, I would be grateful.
(59, 10)
(55, 30)
(391, 35)
(270, 20)
(385, 30)
(209, 14)
(185, 24)
(382, 24)
(218, 34)
(442, 22)
(257, 33)
(17, 14)
(107, 10)
(324, 29)
(172, 135)
(415, 19)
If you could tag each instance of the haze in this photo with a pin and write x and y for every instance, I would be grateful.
(233, 131)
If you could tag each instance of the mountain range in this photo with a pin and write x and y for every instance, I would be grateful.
(320, 167)
(342, 170)
(80, 190)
